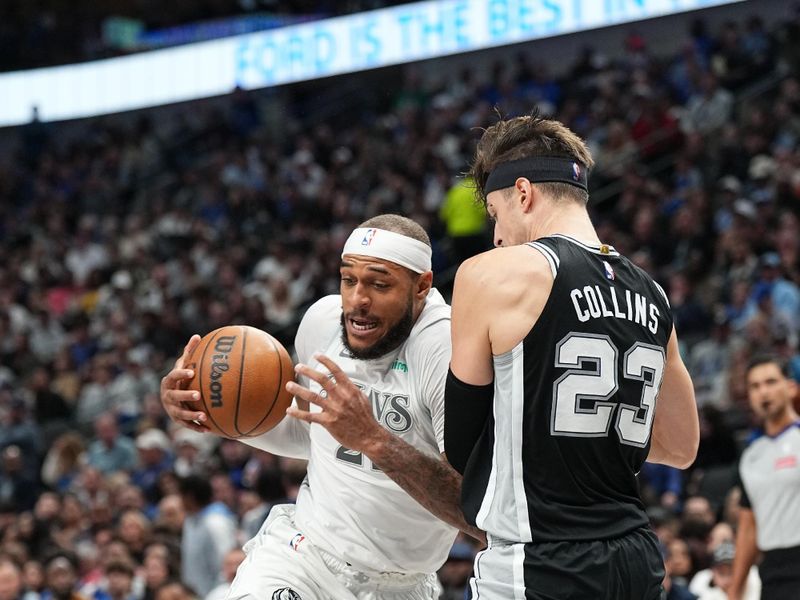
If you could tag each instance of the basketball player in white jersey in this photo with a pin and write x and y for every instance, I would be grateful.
(369, 418)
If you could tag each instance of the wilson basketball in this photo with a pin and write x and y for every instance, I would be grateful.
(241, 373)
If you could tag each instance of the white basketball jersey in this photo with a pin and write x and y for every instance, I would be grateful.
(347, 506)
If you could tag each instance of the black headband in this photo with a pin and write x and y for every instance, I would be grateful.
(537, 169)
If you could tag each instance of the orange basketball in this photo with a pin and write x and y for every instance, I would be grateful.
(241, 374)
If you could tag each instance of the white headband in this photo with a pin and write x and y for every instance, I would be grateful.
(391, 246)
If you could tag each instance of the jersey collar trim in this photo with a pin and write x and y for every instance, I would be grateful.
(784, 430)
(610, 251)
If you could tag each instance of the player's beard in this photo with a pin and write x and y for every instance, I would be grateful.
(397, 334)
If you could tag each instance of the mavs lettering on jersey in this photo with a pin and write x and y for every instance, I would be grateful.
(391, 410)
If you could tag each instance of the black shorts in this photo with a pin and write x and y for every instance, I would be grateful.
(626, 568)
(779, 577)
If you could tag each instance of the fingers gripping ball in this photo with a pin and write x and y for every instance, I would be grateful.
(241, 373)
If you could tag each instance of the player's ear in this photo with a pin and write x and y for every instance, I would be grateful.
(525, 193)
(423, 285)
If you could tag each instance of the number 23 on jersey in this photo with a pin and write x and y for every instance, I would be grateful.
(592, 362)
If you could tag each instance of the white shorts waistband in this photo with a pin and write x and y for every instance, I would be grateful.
(280, 527)
(371, 580)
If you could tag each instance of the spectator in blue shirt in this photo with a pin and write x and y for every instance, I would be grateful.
(111, 452)
(155, 457)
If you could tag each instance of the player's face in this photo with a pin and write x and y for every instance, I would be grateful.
(508, 225)
(770, 392)
(377, 305)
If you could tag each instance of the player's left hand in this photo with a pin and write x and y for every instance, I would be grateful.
(346, 411)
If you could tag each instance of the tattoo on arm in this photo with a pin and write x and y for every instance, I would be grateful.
(431, 481)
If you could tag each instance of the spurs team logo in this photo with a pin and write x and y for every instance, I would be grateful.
(368, 237)
(285, 594)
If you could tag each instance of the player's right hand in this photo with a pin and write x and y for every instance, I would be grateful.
(182, 405)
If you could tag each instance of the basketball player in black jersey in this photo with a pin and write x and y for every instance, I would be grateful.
(565, 377)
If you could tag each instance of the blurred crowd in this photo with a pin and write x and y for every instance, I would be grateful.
(126, 235)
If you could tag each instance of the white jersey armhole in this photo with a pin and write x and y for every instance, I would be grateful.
(663, 293)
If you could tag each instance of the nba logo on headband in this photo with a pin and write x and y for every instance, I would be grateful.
(368, 237)
(536, 169)
(393, 247)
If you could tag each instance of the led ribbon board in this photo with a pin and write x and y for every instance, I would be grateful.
(321, 48)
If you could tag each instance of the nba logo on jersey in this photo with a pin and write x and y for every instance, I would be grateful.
(295, 541)
(576, 171)
(609, 271)
(368, 237)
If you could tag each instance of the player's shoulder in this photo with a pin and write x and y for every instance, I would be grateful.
(436, 312)
(322, 315)
(649, 282)
(432, 336)
(325, 306)
(431, 332)
(501, 271)
(430, 351)
(643, 274)
(499, 262)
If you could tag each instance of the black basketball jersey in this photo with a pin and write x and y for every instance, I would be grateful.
(573, 405)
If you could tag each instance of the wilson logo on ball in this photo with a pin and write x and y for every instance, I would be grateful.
(219, 365)
(241, 374)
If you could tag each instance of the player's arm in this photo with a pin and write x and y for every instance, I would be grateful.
(430, 480)
(469, 390)
(746, 552)
(291, 437)
(471, 358)
(676, 427)
(347, 415)
(493, 310)
(288, 438)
